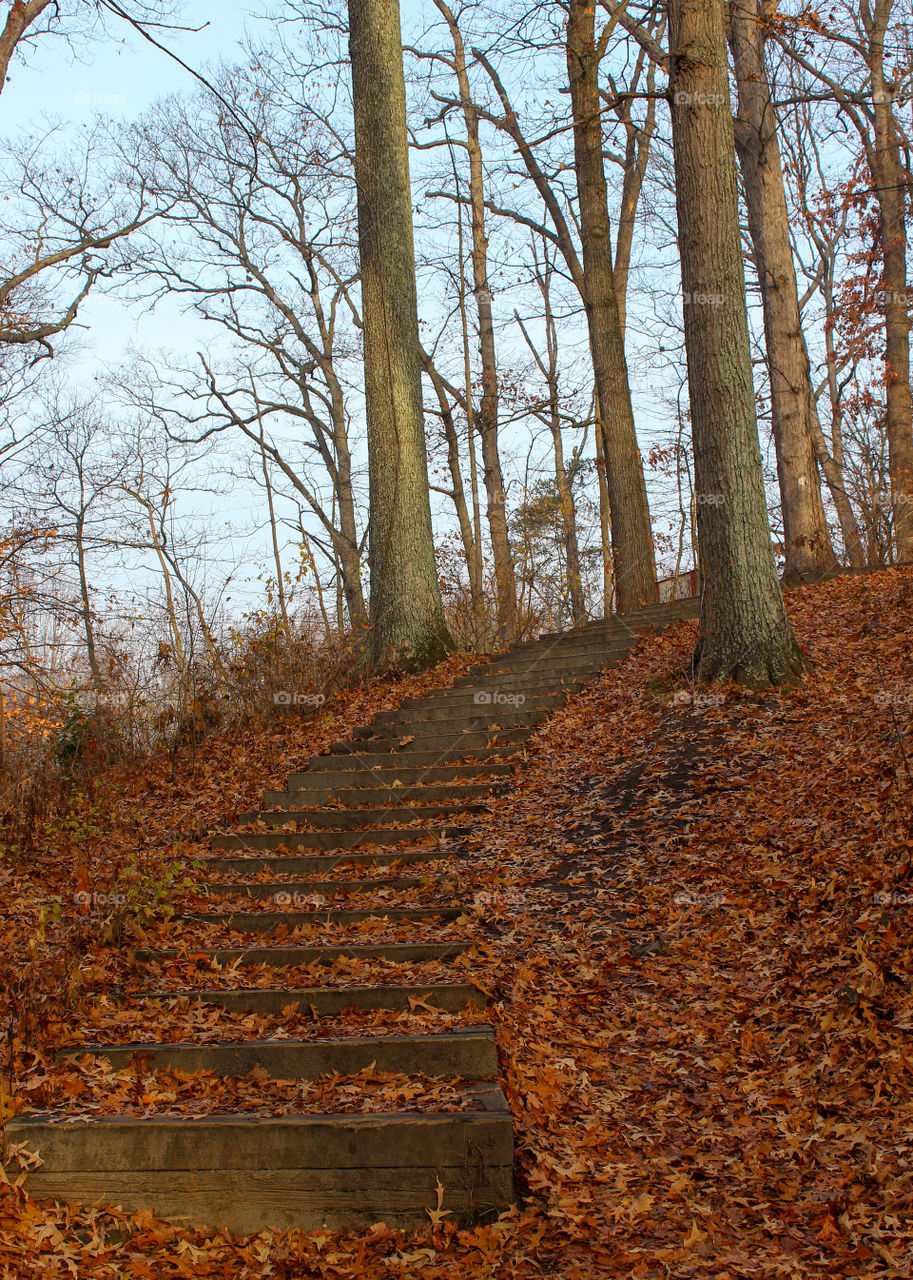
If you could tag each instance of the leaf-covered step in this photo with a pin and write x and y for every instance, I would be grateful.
(470, 1053)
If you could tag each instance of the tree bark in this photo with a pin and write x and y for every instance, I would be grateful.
(806, 538)
(891, 193)
(745, 631)
(406, 612)
(632, 542)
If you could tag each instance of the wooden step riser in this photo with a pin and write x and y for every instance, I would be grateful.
(481, 775)
(343, 761)
(294, 956)
(471, 1055)
(444, 742)
(296, 865)
(388, 795)
(480, 719)
(463, 706)
(270, 921)
(360, 818)
(250, 1174)
(256, 840)
(288, 890)
(657, 616)
(328, 1002)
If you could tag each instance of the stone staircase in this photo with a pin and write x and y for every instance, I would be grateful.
(374, 817)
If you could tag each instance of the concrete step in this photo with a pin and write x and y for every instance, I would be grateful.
(340, 818)
(461, 795)
(287, 891)
(269, 921)
(254, 840)
(304, 864)
(471, 1054)
(252, 1173)
(294, 956)
(327, 1002)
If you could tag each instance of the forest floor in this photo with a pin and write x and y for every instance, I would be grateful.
(696, 907)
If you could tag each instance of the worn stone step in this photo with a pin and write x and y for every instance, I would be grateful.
(354, 819)
(255, 840)
(254, 1173)
(471, 1054)
(303, 864)
(323, 1002)
(269, 921)
(292, 956)
(455, 793)
(287, 891)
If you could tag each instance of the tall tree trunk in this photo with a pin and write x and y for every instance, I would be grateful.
(805, 533)
(891, 192)
(487, 421)
(746, 634)
(407, 616)
(632, 542)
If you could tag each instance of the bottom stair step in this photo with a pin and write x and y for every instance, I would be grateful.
(471, 1054)
(450, 997)
(252, 1173)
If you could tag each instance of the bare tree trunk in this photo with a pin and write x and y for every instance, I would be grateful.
(605, 519)
(407, 615)
(632, 542)
(805, 533)
(471, 549)
(88, 627)
(274, 539)
(746, 634)
(891, 192)
(488, 409)
(548, 367)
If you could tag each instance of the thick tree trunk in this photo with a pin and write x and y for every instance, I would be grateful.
(632, 543)
(746, 634)
(487, 421)
(806, 538)
(407, 616)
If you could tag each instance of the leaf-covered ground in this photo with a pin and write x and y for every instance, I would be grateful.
(693, 911)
